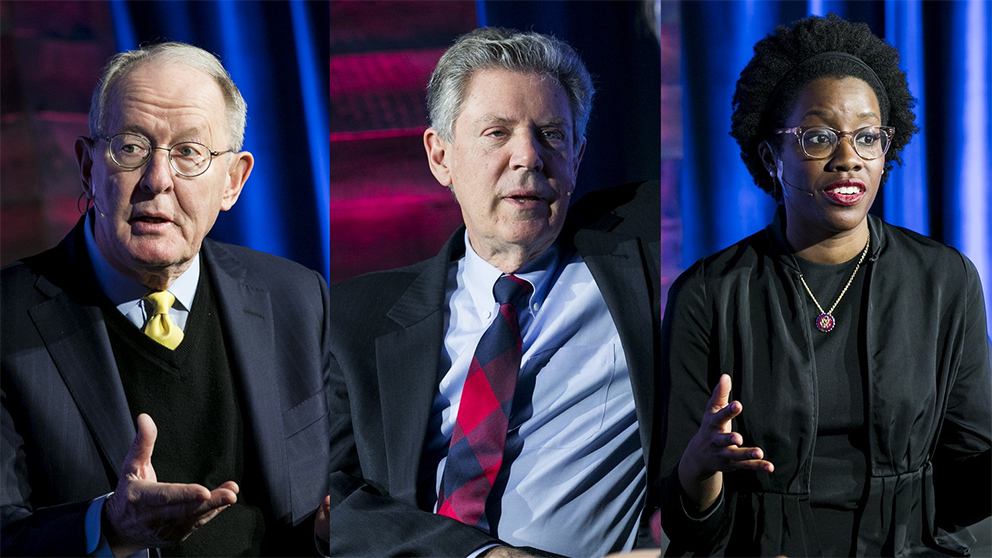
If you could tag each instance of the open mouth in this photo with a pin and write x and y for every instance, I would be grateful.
(149, 224)
(845, 193)
(525, 200)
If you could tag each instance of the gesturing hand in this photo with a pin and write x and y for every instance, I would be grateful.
(144, 513)
(715, 449)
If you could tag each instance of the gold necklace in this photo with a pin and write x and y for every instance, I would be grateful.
(825, 321)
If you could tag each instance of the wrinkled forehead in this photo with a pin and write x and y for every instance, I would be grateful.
(166, 90)
(491, 92)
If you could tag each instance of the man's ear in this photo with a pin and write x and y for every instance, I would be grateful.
(437, 156)
(237, 175)
(84, 159)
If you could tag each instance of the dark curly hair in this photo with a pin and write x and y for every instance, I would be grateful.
(769, 84)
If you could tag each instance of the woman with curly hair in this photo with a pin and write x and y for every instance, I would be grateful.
(829, 376)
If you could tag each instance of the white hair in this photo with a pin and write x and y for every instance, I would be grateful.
(493, 47)
(123, 63)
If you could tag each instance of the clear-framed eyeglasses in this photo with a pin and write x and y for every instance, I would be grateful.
(130, 151)
(820, 142)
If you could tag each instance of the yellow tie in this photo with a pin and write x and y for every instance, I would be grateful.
(160, 326)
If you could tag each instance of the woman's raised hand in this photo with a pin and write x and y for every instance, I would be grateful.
(716, 449)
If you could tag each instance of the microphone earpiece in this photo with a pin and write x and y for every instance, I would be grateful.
(95, 206)
(781, 171)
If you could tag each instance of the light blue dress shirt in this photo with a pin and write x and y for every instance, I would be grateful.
(573, 479)
(126, 295)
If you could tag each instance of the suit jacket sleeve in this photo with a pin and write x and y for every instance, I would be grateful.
(365, 519)
(379, 397)
(686, 371)
(39, 517)
(47, 531)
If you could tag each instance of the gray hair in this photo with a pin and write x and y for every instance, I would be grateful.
(508, 49)
(123, 63)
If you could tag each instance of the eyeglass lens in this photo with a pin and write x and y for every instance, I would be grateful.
(131, 151)
(869, 142)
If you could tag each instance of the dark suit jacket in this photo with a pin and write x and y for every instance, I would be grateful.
(386, 337)
(66, 427)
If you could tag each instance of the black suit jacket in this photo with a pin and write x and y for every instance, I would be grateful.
(66, 427)
(386, 339)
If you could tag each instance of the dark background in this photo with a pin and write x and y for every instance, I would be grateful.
(52, 54)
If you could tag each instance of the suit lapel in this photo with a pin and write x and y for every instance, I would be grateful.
(84, 358)
(246, 314)
(407, 361)
(72, 327)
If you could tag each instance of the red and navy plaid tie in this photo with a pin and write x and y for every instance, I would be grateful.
(476, 451)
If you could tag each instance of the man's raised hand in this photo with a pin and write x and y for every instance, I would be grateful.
(144, 513)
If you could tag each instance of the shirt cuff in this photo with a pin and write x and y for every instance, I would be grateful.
(94, 543)
(481, 550)
(323, 547)
(706, 514)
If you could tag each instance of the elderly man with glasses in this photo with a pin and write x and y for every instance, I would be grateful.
(160, 389)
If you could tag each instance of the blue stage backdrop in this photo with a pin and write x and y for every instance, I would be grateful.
(277, 54)
(942, 190)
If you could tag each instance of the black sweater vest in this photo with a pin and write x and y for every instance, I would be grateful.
(192, 396)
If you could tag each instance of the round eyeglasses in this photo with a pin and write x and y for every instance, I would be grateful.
(820, 142)
(190, 159)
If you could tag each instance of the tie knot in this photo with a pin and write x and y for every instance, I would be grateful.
(510, 288)
(161, 301)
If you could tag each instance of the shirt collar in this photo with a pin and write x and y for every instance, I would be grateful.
(124, 292)
(480, 276)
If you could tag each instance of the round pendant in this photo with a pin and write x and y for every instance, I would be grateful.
(825, 322)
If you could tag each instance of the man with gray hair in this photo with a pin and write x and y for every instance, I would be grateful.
(159, 389)
(497, 399)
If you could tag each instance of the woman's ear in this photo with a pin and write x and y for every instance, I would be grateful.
(768, 157)
(772, 164)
